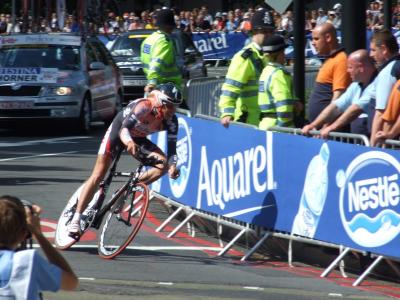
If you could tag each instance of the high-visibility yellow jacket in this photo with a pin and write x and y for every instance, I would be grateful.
(240, 90)
(275, 97)
(158, 58)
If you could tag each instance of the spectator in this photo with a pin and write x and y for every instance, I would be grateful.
(245, 26)
(136, 24)
(308, 22)
(3, 24)
(239, 101)
(332, 79)
(202, 24)
(218, 24)
(54, 22)
(275, 93)
(313, 20)
(25, 273)
(206, 15)
(125, 21)
(231, 24)
(352, 106)
(374, 8)
(384, 50)
(185, 21)
(238, 16)
(334, 19)
(369, 19)
(153, 22)
(287, 22)
(322, 17)
(390, 118)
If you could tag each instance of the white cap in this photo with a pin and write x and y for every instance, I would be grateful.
(337, 6)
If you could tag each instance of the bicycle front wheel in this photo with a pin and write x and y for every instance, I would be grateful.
(122, 222)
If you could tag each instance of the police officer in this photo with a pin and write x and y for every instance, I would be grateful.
(275, 94)
(158, 53)
(239, 92)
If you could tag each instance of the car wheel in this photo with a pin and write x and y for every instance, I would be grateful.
(85, 117)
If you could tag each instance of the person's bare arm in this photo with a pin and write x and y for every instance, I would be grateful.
(348, 116)
(377, 124)
(337, 94)
(330, 113)
(69, 281)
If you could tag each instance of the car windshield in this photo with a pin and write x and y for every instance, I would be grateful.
(128, 46)
(44, 56)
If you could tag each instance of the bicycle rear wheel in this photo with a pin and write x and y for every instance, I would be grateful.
(123, 220)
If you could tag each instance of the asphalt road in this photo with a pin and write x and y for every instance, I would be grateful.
(46, 165)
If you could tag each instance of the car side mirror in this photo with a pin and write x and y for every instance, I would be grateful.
(97, 65)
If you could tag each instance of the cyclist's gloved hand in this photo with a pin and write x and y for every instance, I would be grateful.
(173, 172)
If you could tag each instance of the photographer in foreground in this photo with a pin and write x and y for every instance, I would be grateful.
(25, 273)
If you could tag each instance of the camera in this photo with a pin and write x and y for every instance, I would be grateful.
(27, 204)
(28, 243)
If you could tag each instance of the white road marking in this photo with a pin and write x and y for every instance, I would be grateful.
(59, 140)
(87, 278)
(253, 288)
(335, 295)
(151, 248)
(49, 234)
(165, 283)
(38, 155)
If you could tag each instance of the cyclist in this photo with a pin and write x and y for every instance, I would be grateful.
(129, 129)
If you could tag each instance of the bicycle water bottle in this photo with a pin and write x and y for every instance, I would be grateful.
(314, 195)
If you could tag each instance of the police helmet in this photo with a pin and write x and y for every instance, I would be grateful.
(165, 17)
(262, 19)
(273, 44)
(170, 94)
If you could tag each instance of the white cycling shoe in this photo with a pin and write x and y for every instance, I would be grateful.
(74, 228)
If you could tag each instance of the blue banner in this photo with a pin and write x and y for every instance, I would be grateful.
(219, 45)
(330, 191)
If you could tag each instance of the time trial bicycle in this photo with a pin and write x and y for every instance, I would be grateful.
(119, 218)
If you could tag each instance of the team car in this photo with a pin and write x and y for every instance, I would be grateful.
(58, 77)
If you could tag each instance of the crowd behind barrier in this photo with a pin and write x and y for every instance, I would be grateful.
(212, 29)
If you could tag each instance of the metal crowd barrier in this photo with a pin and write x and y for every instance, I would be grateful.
(261, 233)
(350, 138)
(357, 139)
(391, 144)
(203, 95)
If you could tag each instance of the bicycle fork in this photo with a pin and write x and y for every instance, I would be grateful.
(133, 209)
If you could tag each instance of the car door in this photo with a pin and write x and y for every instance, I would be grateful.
(96, 78)
(111, 79)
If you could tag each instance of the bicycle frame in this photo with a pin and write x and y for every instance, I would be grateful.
(104, 185)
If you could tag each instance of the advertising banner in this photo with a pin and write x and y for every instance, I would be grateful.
(28, 75)
(330, 191)
(219, 45)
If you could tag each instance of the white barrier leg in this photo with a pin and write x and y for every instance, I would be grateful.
(173, 232)
(159, 228)
(335, 262)
(255, 247)
(230, 244)
(368, 270)
(290, 252)
(341, 264)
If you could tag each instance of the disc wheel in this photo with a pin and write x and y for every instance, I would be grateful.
(123, 221)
